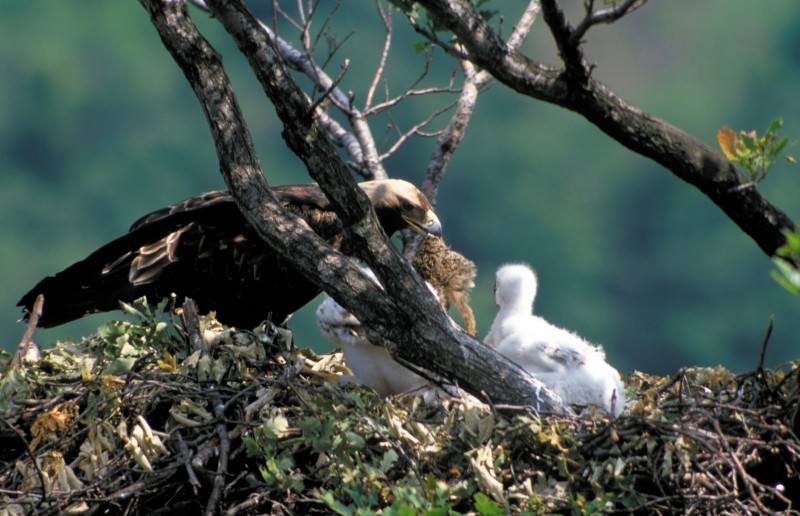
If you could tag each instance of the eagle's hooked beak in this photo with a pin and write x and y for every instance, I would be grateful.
(430, 224)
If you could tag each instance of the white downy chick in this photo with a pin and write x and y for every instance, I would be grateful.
(514, 293)
(573, 368)
(371, 365)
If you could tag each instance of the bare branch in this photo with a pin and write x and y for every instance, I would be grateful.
(386, 17)
(327, 93)
(450, 138)
(452, 135)
(609, 15)
(212, 506)
(523, 26)
(568, 48)
(334, 45)
(186, 459)
(686, 157)
(191, 323)
(433, 38)
(388, 104)
(359, 144)
(373, 168)
(26, 344)
(278, 10)
(764, 342)
(415, 129)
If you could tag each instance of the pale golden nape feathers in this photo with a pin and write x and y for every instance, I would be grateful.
(450, 273)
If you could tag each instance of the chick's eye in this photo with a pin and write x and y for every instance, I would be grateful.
(407, 206)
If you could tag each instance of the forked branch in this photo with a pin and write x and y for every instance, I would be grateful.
(574, 89)
(432, 340)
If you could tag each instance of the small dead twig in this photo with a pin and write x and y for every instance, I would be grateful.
(27, 343)
(171, 311)
(327, 93)
(675, 379)
(187, 462)
(29, 453)
(254, 501)
(386, 17)
(609, 15)
(764, 343)
(224, 452)
(191, 321)
(746, 478)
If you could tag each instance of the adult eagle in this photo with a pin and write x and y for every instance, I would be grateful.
(204, 248)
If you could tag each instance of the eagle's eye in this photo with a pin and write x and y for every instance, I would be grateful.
(407, 206)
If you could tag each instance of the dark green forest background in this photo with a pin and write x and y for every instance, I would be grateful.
(98, 126)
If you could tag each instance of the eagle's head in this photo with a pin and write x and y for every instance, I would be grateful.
(399, 205)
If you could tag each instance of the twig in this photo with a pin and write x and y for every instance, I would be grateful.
(474, 80)
(609, 15)
(360, 144)
(677, 378)
(415, 129)
(128, 491)
(191, 321)
(568, 49)
(330, 90)
(27, 337)
(390, 103)
(764, 343)
(746, 477)
(387, 41)
(433, 38)
(254, 501)
(187, 462)
(224, 452)
(30, 454)
(204, 453)
(305, 30)
(173, 299)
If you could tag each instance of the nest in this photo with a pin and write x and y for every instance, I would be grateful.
(141, 419)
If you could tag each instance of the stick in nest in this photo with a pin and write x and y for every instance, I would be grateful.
(760, 367)
(26, 345)
(191, 322)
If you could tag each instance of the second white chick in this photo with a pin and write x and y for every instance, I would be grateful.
(371, 365)
(573, 368)
(514, 293)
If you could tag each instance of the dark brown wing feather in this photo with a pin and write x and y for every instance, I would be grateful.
(202, 248)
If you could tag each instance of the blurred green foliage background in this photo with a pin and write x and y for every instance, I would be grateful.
(98, 126)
